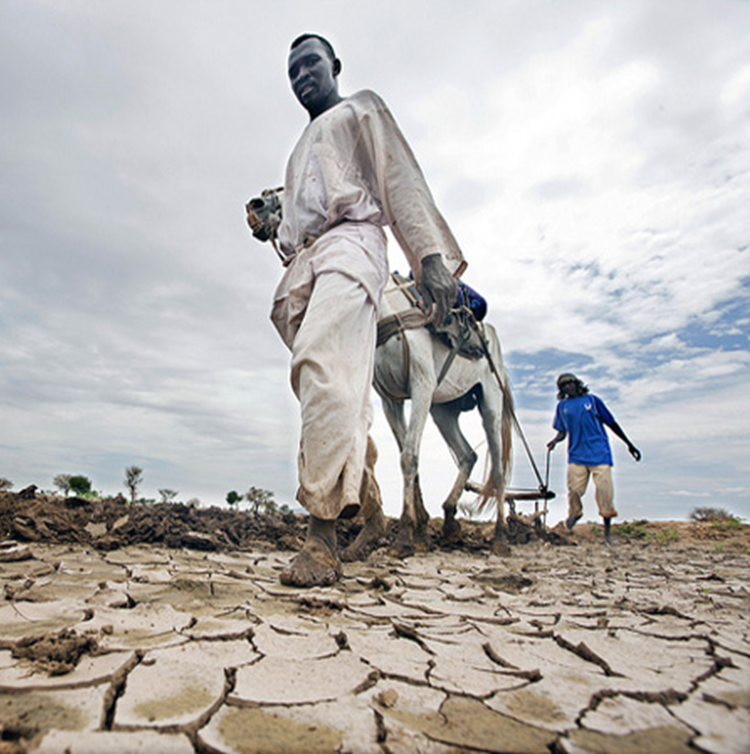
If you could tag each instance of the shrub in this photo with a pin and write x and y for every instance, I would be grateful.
(709, 514)
(664, 536)
(730, 523)
(167, 495)
(633, 529)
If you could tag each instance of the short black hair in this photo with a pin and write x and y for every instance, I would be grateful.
(309, 35)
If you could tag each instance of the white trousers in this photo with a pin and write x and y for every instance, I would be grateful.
(333, 354)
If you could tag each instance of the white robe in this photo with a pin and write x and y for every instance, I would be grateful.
(350, 174)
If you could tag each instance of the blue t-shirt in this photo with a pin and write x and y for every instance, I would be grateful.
(583, 420)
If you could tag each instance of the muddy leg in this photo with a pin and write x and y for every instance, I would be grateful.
(423, 517)
(499, 545)
(317, 564)
(371, 500)
(451, 526)
(403, 545)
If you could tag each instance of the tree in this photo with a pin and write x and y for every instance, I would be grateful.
(133, 478)
(260, 500)
(62, 482)
(79, 484)
(5, 484)
(233, 498)
(167, 495)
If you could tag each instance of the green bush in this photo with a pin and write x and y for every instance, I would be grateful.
(731, 523)
(664, 536)
(633, 529)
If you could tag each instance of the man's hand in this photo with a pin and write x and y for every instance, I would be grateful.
(438, 286)
(634, 452)
(255, 223)
(559, 437)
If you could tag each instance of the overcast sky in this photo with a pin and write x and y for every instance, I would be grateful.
(591, 158)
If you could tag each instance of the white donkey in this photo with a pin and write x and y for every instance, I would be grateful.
(413, 364)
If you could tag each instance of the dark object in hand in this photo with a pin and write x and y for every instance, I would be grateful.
(264, 214)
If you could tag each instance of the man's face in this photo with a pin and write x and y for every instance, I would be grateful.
(312, 76)
(569, 388)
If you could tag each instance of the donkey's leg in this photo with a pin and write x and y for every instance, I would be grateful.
(446, 417)
(421, 390)
(490, 408)
(394, 414)
(423, 517)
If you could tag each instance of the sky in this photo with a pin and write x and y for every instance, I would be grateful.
(592, 159)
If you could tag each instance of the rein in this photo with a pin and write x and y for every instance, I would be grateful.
(397, 323)
(507, 397)
(412, 319)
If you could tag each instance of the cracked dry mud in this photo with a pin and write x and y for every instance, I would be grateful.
(568, 649)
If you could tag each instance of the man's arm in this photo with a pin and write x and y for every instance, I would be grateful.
(407, 202)
(617, 429)
(559, 437)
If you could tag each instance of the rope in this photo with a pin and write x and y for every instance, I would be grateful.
(507, 397)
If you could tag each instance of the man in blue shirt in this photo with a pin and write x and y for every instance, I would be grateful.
(581, 417)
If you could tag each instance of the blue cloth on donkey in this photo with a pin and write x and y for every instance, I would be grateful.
(469, 298)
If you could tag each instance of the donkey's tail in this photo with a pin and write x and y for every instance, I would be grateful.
(493, 490)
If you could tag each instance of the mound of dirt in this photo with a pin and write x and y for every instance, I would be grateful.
(112, 523)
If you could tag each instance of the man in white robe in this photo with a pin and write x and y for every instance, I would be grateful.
(350, 174)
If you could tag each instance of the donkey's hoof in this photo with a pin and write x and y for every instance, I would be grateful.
(499, 547)
(402, 549)
(451, 531)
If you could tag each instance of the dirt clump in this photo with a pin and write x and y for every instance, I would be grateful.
(56, 654)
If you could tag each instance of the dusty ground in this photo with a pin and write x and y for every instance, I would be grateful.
(164, 629)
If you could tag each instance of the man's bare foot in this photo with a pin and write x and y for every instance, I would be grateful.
(367, 540)
(317, 563)
(307, 570)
